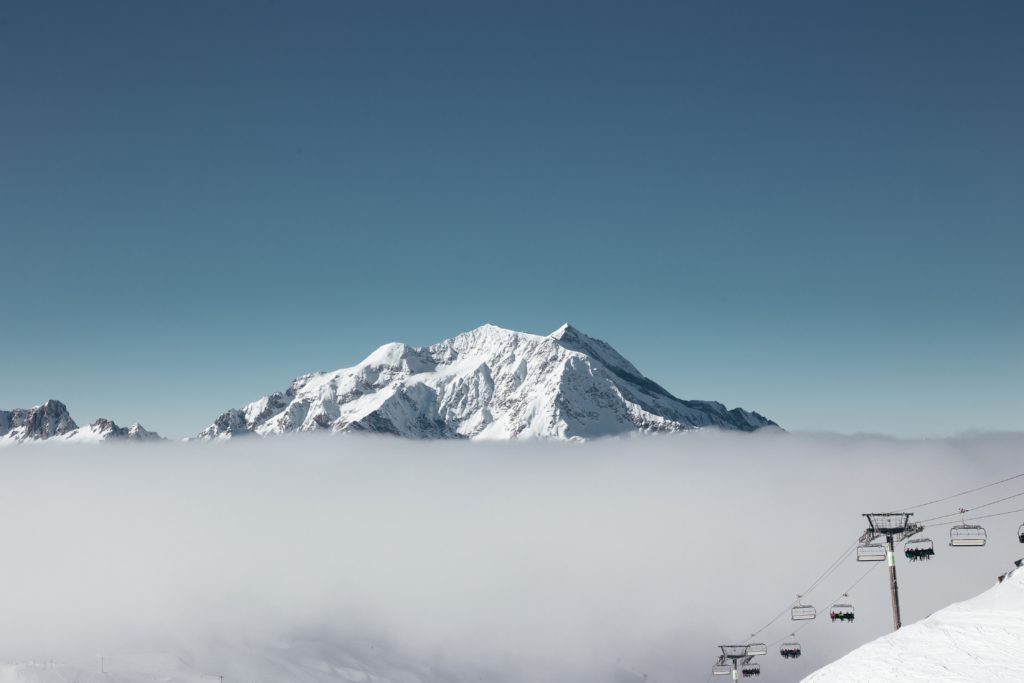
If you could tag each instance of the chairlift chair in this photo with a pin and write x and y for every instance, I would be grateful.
(801, 612)
(841, 612)
(871, 552)
(755, 649)
(1020, 533)
(749, 670)
(790, 650)
(967, 535)
(919, 549)
(721, 667)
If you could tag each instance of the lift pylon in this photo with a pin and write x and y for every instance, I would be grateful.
(895, 527)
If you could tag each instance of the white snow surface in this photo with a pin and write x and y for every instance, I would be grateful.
(303, 660)
(980, 639)
(488, 383)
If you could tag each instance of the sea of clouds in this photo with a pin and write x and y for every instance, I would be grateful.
(468, 561)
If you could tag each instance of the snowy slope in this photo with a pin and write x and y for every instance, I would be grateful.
(52, 422)
(488, 383)
(300, 661)
(981, 639)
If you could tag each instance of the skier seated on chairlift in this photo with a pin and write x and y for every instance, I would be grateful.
(841, 616)
(919, 553)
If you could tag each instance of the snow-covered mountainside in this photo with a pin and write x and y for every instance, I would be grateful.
(980, 639)
(488, 383)
(301, 661)
(51, 421)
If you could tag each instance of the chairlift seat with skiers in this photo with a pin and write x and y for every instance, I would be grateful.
(790, 650)
(919, 549)
(749, 670)
(1020, 533)
(967, 535)
(871, 552)
(841, 612)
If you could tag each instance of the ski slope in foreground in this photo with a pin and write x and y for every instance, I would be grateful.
(980, 639)
(298, 661)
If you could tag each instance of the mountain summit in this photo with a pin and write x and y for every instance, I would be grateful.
(51, 421)
(488, 383)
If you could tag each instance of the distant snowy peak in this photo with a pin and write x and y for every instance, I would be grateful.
(103, 430)
(488, 383)
(45, 421)
(51, 421)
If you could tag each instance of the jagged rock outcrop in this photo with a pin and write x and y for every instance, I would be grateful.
(45, 421)
(51, 421)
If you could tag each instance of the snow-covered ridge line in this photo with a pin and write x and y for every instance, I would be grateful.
(52, 422)
(488, 383)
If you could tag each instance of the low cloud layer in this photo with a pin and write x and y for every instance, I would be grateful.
(466, 561)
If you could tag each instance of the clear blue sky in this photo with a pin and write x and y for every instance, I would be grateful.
(814, 210)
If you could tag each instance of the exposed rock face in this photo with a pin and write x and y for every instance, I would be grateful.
(488, 383)
(51, 421)
(41, 422)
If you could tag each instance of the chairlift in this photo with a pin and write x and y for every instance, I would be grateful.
(1020, 533)
(871, 552)
(791, 649)
(749, 670)
(967, 535)
(755, 649)
(801, 612)
(919, 549)
(721, 667)
(841, 611)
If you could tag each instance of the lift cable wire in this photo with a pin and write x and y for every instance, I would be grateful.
(832, 567)
(962, 493)
(835, 564)
(794, 631)
(874, 566)
(976, 507)
(974, 519)
(817, 582)
(839, 560)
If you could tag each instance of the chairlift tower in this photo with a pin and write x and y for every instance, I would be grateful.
(738, 654)
(896, 527)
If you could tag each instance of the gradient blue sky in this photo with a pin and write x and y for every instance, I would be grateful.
(813, 210)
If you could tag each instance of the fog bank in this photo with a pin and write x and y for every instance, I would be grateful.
(476, 561)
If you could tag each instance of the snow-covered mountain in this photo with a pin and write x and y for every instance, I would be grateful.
(980, 639)
(488, 383)
(51, 421)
